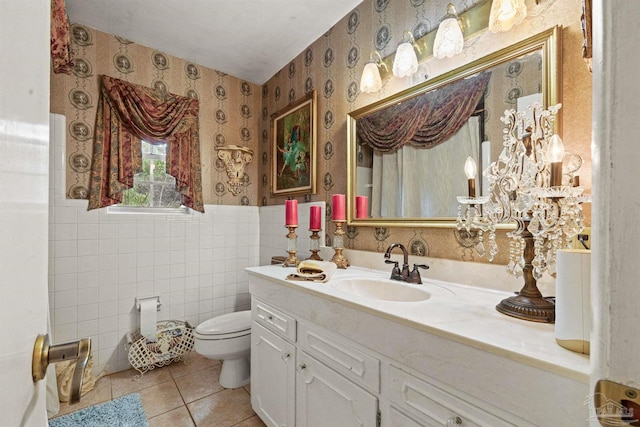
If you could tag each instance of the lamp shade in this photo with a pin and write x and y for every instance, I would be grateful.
(406, 62)
(505, 14)
(370, 81)
(449, 39)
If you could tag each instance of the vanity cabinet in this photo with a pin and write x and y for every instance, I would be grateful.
(290, 387)
(319, 359)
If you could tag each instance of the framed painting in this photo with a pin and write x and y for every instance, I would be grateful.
(293, 148)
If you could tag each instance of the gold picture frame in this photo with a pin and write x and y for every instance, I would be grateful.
(294, 147)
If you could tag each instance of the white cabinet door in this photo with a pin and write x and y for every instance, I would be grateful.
(326, 398)
(272, 377)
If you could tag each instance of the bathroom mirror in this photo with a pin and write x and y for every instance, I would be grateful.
(406, 153)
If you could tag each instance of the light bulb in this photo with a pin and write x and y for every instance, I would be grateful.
(470, 168)
(555, 150)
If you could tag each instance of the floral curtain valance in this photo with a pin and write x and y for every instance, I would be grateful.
(126, 114)
(61, 53)
(424, 121)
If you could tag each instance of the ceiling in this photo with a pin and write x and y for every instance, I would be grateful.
(249, 39)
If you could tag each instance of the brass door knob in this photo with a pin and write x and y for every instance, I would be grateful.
(45, 354)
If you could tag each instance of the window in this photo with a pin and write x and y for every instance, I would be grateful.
(154, 190)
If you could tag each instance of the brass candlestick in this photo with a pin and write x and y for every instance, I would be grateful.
(292, 243)
(338, 245)
(315, 245)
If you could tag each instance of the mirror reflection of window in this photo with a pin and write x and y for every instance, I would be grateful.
(414, 182)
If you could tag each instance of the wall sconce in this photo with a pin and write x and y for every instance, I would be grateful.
(406, 61)
(505, 14)
(449, 39)
(371, 81)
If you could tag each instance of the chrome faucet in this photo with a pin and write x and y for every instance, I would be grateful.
(403, 275)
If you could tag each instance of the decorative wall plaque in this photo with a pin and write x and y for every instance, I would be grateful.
(235, 159)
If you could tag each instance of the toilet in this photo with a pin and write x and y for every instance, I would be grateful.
(227, 338)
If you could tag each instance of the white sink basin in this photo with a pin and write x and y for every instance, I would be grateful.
(389, 290)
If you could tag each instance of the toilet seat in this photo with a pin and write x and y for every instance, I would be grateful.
(226, 326)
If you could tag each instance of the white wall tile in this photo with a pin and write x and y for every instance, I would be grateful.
(88, 312)
(87, 247)
(65, 282)
(87, 231)
(65, 299)
(88, 296)
(63, 316)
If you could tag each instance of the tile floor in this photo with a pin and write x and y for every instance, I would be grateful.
(178, 395)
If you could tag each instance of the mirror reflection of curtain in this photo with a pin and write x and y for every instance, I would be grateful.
(417, 182)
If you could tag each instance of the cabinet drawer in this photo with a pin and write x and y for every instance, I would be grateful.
(431, 403)
(273, 319)
(341, 356)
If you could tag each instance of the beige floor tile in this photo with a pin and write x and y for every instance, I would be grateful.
(222, 409)
(195, 363)
(177, 418)
(199, 384)
(254, 421)
(100, 393)
(248, 388)
(160, 398)
(125, 383)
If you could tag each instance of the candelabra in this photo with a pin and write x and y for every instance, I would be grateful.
(338, 245)
(315, 244)
(292, 243)
(526, 187)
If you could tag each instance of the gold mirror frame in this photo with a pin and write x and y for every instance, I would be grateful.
(548, 42)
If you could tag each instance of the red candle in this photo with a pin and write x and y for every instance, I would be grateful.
(362, 207)
(315, 219)
(339, 212)
(291, 213)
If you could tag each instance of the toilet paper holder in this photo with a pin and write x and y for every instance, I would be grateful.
(158, 303)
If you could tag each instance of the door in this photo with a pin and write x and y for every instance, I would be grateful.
(326, 398)
(272, 377)
(615, 343)
(24, 197)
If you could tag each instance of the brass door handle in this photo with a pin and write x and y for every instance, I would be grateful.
(45, 354)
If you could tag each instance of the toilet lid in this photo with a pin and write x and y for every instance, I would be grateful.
(239, 321)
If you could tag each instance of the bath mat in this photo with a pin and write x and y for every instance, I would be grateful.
(126, 411)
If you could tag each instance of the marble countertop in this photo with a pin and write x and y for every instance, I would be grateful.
(462, 313)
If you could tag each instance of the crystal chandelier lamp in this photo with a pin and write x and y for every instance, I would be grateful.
(528, 186)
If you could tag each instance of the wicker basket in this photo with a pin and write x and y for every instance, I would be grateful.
(175, 340)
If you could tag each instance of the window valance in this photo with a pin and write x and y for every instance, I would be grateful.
(128, 113)
(426, 120)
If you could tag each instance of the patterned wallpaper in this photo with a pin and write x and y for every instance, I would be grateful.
(236, 112)
(229, 108)
(332, 65)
